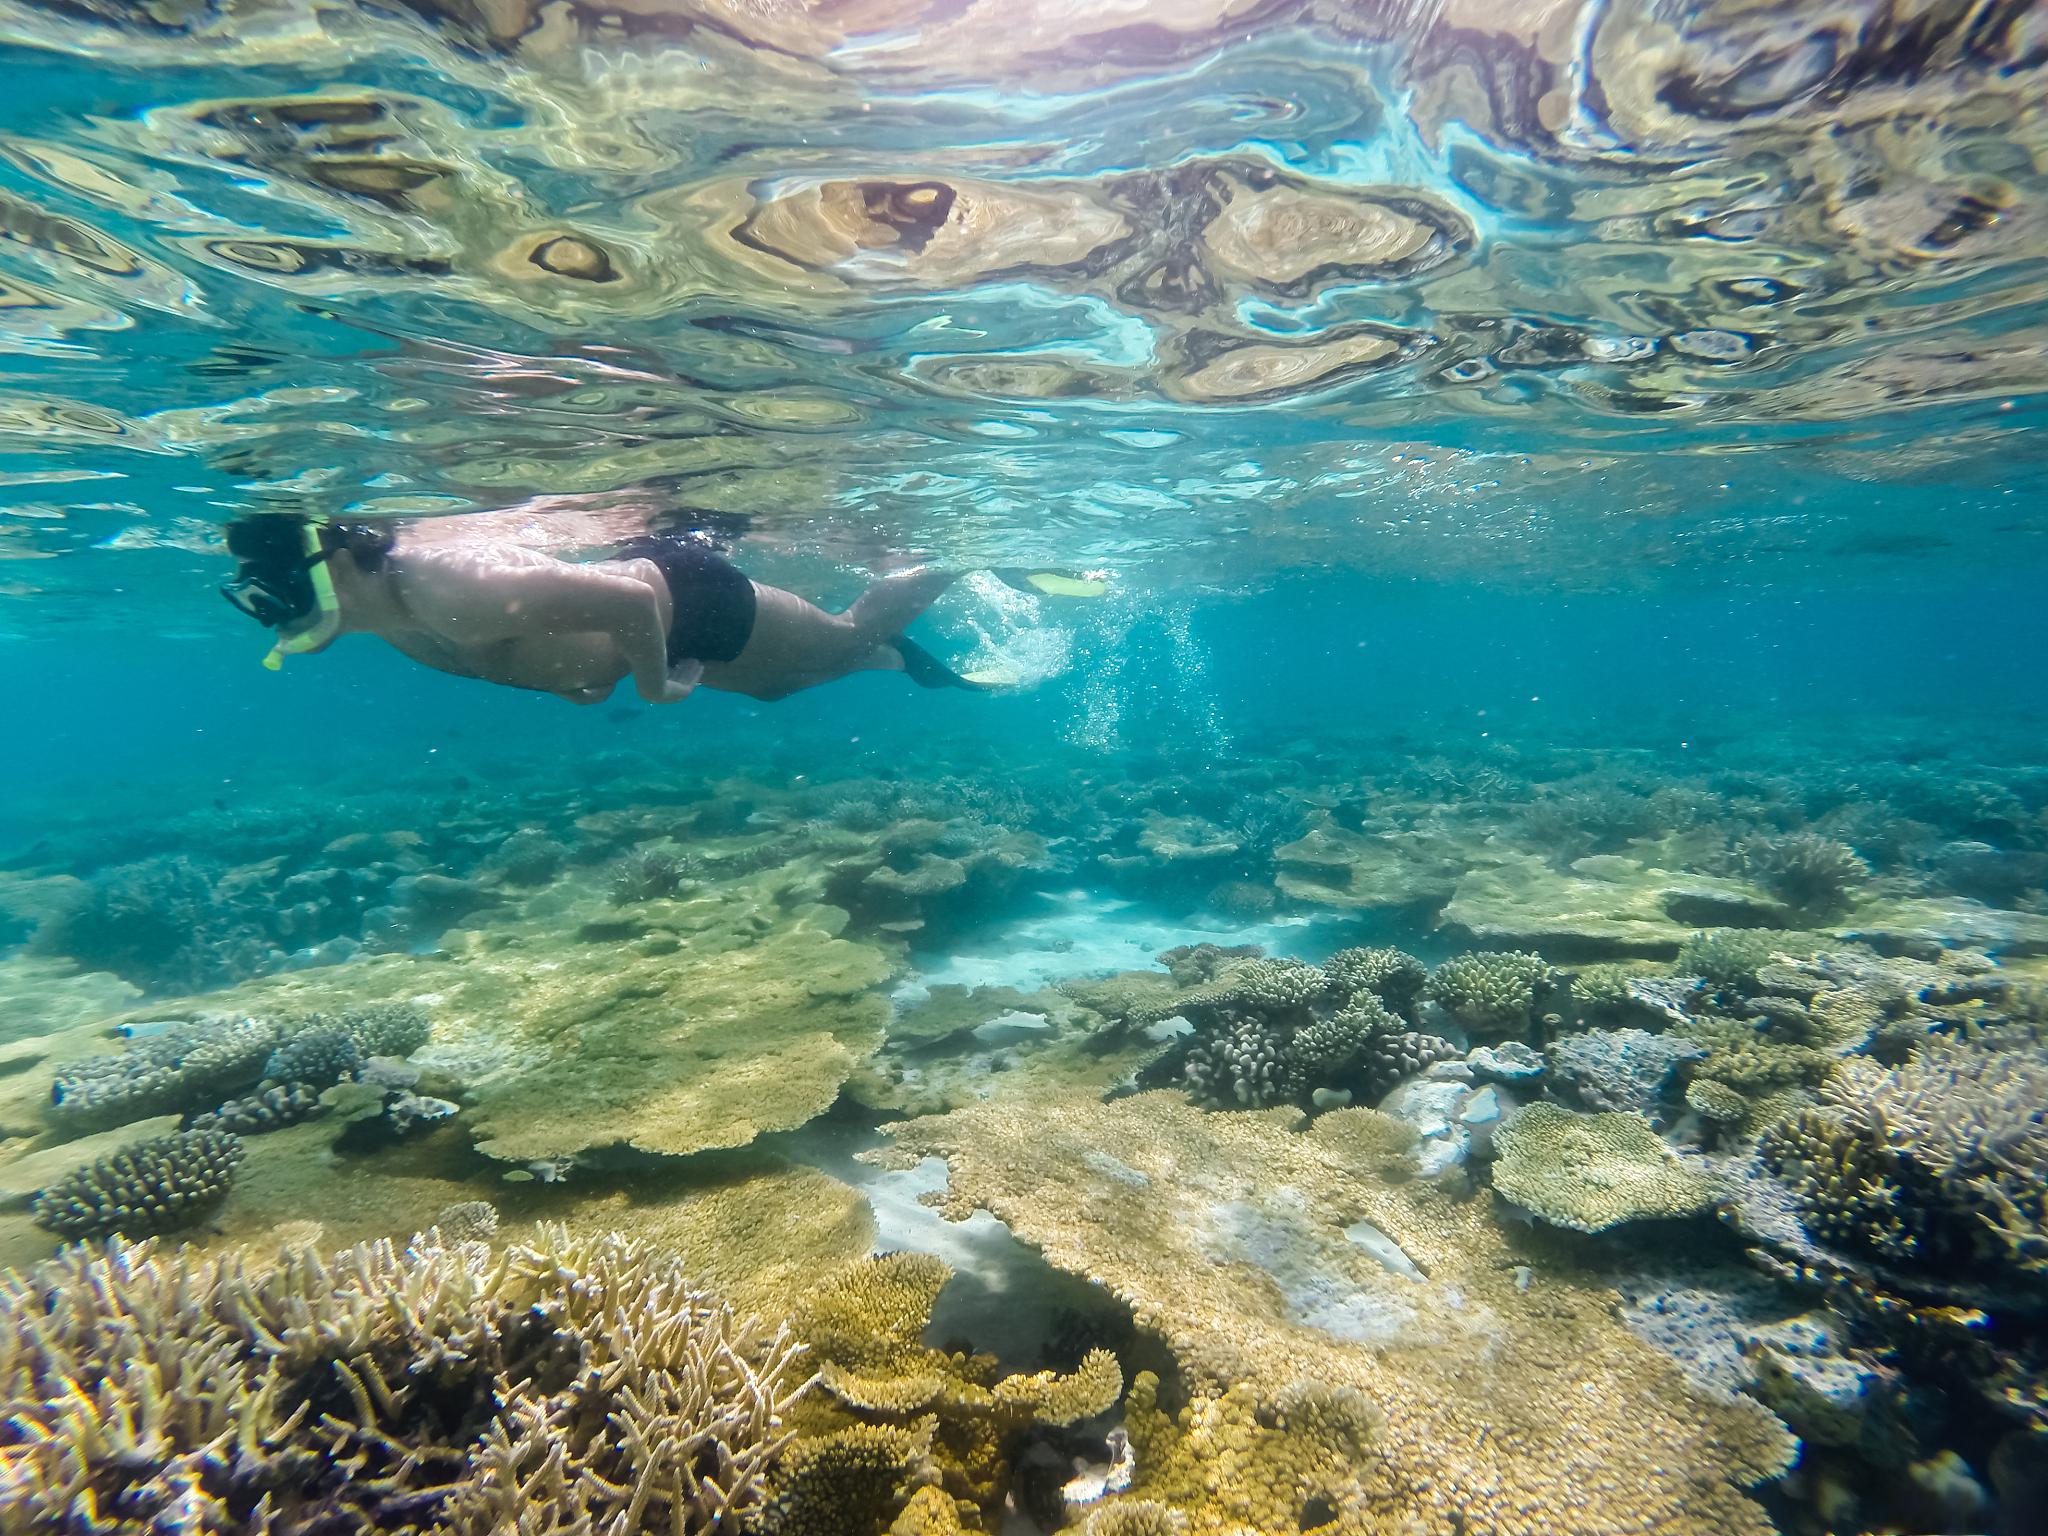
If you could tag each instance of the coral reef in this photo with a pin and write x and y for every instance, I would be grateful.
(1485, 1406)
(1604, 906)
(1727, 957)
(315, 1058)
(1592, 1172)
(188, 1064)
(1496, 995)
(167, 924)
(1272, 1032)
(271, 1106)
(1393, 976)
(194, 1064)
(1939, 1162)
(1811, 872)
(143, 1189)
(561, 1384)
(650, 874)
(865, 1327)
(847, 1481)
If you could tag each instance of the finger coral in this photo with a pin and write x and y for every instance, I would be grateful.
(1393, 976)
(267, 1109)
(1272, 1032)
(567, 1384)
(318, 1058)
(143, 1189)
(1592, 1172)
(1493, 993)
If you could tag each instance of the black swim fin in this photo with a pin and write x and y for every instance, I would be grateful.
(927, 671)
(1046, 582)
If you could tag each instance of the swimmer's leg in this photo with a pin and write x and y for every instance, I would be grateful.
(887, 608)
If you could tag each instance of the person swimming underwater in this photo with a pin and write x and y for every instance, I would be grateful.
(666, 610)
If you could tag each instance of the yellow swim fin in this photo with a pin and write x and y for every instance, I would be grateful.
(1050, 583)
(993, 678)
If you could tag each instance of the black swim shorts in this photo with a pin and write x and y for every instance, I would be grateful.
(713, 602)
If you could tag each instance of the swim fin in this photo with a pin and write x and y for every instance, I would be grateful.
(1049, 583)
(927, 671)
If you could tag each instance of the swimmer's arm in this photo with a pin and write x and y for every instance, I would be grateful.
(477, 601)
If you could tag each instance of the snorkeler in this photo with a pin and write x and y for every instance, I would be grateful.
(666, 610)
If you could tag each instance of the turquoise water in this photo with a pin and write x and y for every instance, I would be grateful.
(1566, 485)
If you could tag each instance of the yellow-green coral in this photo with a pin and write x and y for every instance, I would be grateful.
(930, 1512)
(847, 1482)
(1592, 1172)
(1289, 1465)
(1136, 1517)
(1711, 1099)
(1493, 992)
(1753, 1063)
(673, 1029)
(866, 1327)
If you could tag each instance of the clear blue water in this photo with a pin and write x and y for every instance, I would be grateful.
(1568, 458)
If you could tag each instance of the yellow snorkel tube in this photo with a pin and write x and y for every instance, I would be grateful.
(326, 620)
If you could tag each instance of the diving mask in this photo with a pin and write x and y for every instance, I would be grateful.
(276, 595)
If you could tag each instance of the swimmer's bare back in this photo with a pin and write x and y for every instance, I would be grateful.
(524, 619)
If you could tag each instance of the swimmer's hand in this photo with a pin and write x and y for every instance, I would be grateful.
(681, 682)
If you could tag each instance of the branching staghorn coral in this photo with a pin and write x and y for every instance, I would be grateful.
(866, 1326)
(570, 1384)
(1941, 1161)
(1811, 872)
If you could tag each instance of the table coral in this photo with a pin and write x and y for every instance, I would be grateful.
(1512, 1411)
(701, 1025)
(1592, 1172)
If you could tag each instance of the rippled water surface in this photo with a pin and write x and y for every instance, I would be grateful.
(1581, 290)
